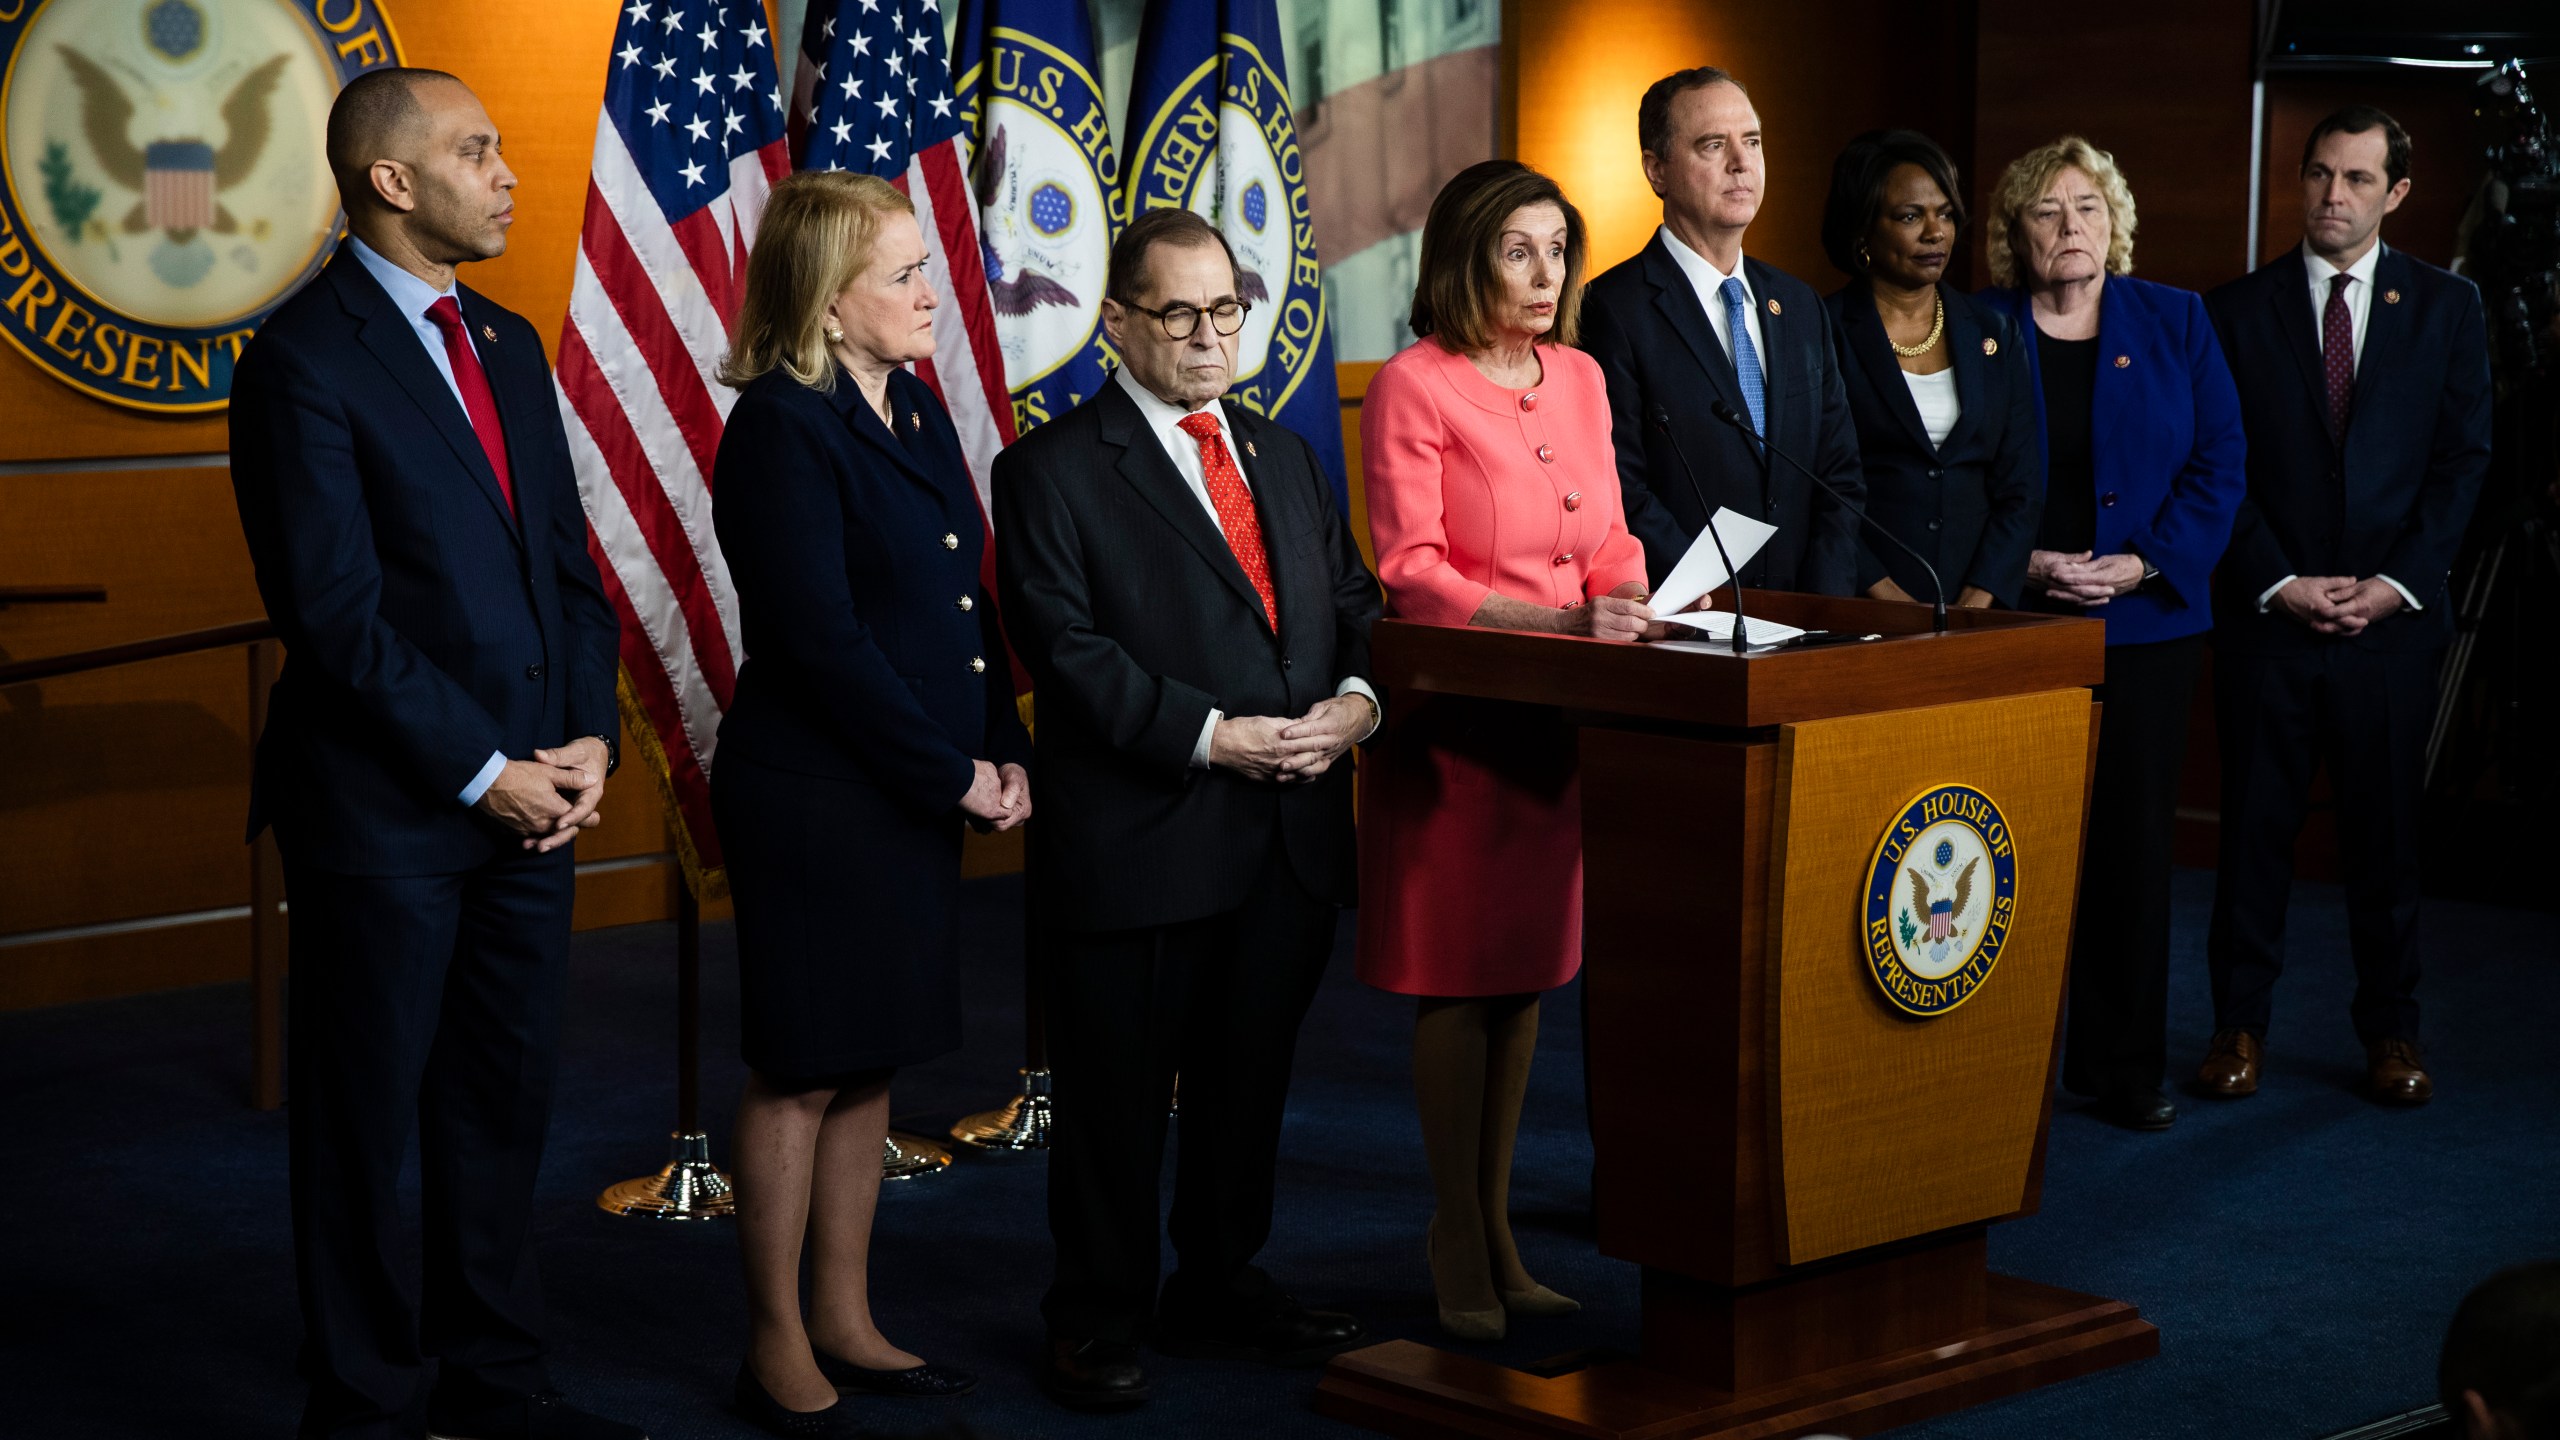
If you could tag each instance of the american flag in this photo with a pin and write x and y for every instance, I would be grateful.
(690, 139)
(873, 93)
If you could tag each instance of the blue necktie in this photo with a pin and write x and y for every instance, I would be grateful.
(1746, 361)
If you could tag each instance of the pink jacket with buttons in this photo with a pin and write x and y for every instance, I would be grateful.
(1474, 489)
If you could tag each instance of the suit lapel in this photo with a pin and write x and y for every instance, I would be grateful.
(1874, 349)
(1276, 503)
(2110, 404)
(866, 425)
(2289, 291)
(532, 504)
(1964, 335)
(1678, 301)
(2388, 324)
(397, 345)
(1777, 332)
(1150, 472)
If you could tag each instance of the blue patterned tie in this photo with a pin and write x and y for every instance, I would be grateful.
(1746, 361)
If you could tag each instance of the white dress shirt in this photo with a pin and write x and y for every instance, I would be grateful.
(1708, 281)
(412, 296)
(1166, 421)
(1936, 397)
(2359, 308)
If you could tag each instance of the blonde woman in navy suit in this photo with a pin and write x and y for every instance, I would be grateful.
(874, 716)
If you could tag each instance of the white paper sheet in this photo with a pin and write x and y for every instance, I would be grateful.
(1702, 570)
(1718, 624)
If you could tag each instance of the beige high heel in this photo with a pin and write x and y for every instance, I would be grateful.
(1537, 1300)
(1482, 1326)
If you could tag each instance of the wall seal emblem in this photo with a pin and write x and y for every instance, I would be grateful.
(1941, 892)
(166, 186)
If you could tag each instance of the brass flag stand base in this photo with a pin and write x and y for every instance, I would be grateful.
(912, 1157)
(690, 1188)
(1019, 1124)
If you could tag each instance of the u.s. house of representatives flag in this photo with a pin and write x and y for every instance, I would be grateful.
(1047, 185)
(688, 142)
(1213, 130)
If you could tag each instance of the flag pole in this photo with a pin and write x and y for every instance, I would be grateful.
(1021, 1123)
(690, 1187)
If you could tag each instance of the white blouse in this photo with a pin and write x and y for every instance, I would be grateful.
(1936, 397)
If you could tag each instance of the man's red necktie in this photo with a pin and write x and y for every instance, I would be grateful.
(1235, 508)
(473, 382)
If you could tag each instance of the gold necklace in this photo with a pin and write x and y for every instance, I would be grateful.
(1936, 331)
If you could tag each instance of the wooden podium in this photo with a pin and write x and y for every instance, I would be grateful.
(1803, 1166)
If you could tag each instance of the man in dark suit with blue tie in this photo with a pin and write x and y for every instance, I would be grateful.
(438, 738)
(1691, 321)
(2364, 381)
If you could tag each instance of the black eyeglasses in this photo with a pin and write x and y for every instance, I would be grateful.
(1180, 322)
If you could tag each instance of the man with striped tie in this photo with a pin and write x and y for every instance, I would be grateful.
(1690, 321)
(1195, 618)
(440, 735)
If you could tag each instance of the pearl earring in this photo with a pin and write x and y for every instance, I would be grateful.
(834, 336)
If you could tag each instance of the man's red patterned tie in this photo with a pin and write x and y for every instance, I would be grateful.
(1235, 508)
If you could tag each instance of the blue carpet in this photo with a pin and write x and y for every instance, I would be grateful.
(2300, 1252)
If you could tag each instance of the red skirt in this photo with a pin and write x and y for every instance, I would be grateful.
(1471, 852)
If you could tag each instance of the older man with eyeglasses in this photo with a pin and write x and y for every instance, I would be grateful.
(1195, 618)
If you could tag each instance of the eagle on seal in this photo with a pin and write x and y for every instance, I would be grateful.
(106, 111)
(1943, 911)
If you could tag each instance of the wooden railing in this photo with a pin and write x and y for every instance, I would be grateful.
(266, 870)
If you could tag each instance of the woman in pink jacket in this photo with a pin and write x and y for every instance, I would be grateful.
(1493, 499)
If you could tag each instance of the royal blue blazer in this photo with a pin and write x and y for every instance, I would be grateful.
(2168, 451)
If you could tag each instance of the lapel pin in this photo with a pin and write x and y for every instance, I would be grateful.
(489, 333)
(1776, 309)
(915, 422)
(1249, 450)
(2390, 297)
(1990, 346)
(2124, 362)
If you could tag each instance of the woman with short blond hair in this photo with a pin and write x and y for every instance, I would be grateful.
(1493, 497)
(2140, 425)
(874, 715)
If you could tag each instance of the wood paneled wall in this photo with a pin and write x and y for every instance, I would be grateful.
(1819, 73)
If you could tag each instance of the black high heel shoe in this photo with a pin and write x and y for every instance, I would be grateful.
(757, 1406)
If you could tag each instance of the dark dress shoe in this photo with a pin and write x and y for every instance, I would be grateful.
(927, 1381)
(541, 1415)
(1094, 1374)
(1291, 1334)
(757, 1407)
(2230, 1068)
(2136, 1110)
(2395, 1075)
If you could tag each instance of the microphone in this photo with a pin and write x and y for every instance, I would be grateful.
(1742, 422)
(1662, 422)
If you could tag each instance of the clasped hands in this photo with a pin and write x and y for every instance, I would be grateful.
(999, 796)
(2336, 604)
(548, 799)
(2083, 578)
(1268, 747)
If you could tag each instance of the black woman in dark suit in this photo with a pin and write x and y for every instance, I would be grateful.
(875, 714)
(1938, 384)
